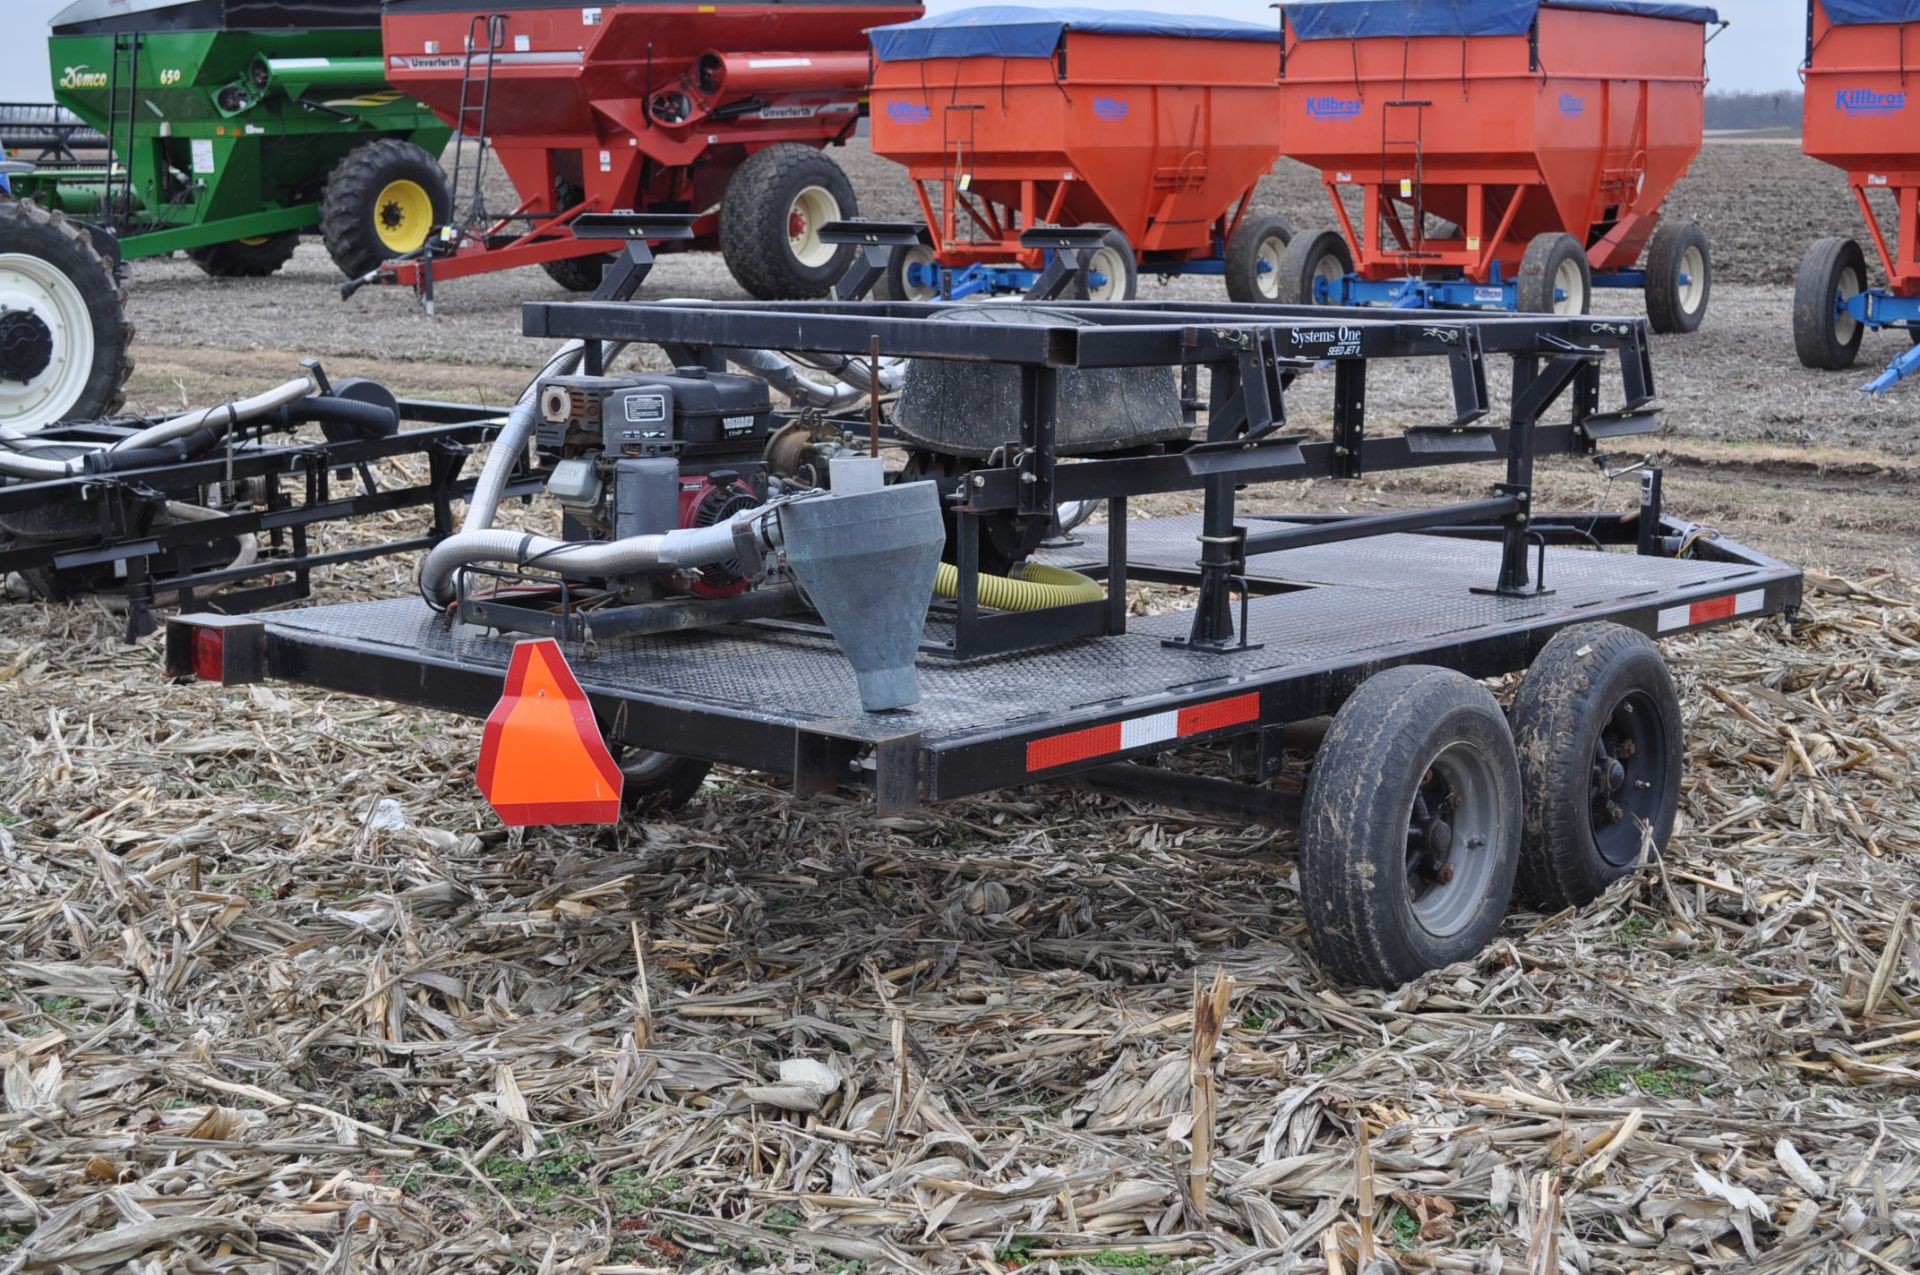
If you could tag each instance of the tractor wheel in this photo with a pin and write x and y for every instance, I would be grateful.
(63, 325)
(1254, 254)
(578, 274)
(1597, 724)
(1113, 261)
(895, 285)
(1679, 277)
(1555, 277)
(770, 219)
(1825, 336)
(657, 781)
(246, 258)
(1308, 260)
(383, 201)
(1411, 829)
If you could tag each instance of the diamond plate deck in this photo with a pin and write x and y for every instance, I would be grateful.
(1362, 602)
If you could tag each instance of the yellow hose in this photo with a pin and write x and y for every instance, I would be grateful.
(1038, 588)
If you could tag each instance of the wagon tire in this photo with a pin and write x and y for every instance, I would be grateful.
(1112, 254)
(1597, 724)
(384, 200)
(1832, 270)
(1678, 250)
(79, 323)
(656, 780)
(1259, 242)
(1555, 263)
(246, 258)
(1410, 833)
(770, 219)
(894, 286)
(578, 274)
(1309, 258)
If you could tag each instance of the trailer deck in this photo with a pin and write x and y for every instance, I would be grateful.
(774, 697)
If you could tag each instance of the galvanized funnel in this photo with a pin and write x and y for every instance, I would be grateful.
(867, 562)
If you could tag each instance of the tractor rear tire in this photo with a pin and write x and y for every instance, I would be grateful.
(1410, 834)
(383, 200)
(1261, 241)
(1677, 250)
(1832, 271)
(246, 258)
(578, 274)
(770, 219)
(1555, 277)
(1310, 258)
(1112, 260)
(64, 330)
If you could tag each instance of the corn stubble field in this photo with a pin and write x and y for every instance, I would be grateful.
(277, 993)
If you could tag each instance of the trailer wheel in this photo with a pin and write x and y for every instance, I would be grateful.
(1307, 261)
(1555, 277)
(383, 200)
(1824, 336)
(657, 781)
(770, 220)
(1597, 724)
(1679, 277)
(63, 325)
(1254, 256)
(895, 284)
(1411, 830)
(579, 274)
(246, 258)
(1112, 259)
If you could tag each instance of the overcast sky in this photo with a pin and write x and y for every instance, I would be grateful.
(1759, 51)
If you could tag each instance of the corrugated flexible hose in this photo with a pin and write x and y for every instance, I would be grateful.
(1037, 588)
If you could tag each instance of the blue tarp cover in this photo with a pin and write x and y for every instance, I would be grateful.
(1014, 31)
(1351, 19)
(1847, 13)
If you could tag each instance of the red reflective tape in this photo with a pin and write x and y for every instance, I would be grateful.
(1220, 713)
(1711, 609)
(1062, 750)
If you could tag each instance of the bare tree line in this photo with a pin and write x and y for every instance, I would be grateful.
(1779, 109)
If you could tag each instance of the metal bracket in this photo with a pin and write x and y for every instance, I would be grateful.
(876, 241)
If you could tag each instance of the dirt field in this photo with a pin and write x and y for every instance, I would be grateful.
(277, 992)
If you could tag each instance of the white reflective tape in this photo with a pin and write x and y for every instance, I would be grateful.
(768, 63)
(1750, 601)
(1673, 618)
(1154, 729)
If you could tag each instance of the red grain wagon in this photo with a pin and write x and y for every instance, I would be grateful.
(1509, 154)
(1860, 116)
(1158, 126)
(643, 107)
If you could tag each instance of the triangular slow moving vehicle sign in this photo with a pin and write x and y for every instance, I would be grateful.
(542, 758)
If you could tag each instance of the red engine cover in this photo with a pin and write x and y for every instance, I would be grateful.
(704, 502)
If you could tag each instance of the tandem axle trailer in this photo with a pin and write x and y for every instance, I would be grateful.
(1422, 786)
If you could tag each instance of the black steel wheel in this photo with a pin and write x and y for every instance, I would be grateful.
(64, 330)
(655, 780)
(1825, 336)
(383, 200)
(1411, 829)
(1254, 255)
(1597, 723)
(770, 221)
(1308, 260)
(1555, 277)
(246, 258)
(1679, 277)
(1111, 261)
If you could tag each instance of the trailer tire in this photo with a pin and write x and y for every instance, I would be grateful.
(655, 780)
(1261, 242)
(579, 274)
(246, 258)
(65, 332)
(1417, 762)
(893, 285)
(1309, 258)
(1112, 259)
(1553, 264)
(1833, 270)
(1597, 724)
(1676, 250)
(384, 200)
(770, 219)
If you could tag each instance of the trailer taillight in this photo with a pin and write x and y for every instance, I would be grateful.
(209, 654)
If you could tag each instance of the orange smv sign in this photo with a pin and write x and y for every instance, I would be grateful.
(542, 758)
